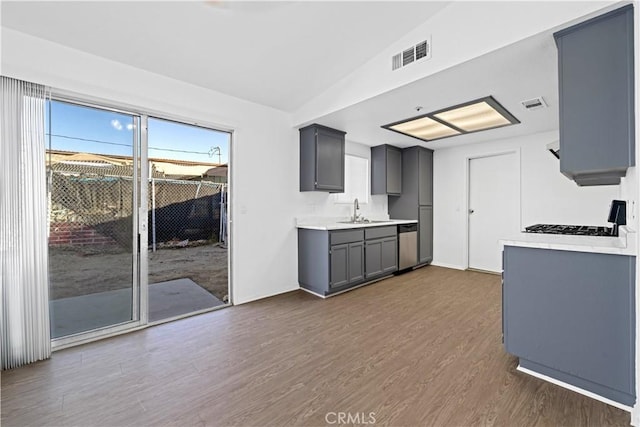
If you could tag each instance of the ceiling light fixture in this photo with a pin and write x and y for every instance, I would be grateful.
(481, 114)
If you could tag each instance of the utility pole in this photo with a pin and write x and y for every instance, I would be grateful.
(216, 150)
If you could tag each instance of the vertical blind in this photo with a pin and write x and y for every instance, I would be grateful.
(24, 317)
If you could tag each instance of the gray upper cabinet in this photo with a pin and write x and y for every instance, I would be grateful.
(425, 177)
(596, 81)
(321, 159)
(416, 200)
(386, 170)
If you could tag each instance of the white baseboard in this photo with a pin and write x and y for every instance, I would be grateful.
(574, 388)
(312, 293)
(635, 416)
(257, 298)
(445, 265)
(346, 290)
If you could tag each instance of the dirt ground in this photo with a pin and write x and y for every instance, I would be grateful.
(81, 271)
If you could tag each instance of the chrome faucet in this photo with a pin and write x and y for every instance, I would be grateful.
(356, 206)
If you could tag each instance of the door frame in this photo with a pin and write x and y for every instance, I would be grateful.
(140, 281)
(467, 194)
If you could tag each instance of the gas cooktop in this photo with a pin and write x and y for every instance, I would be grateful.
(577, 230)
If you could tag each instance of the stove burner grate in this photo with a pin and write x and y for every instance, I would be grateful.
(577, 230)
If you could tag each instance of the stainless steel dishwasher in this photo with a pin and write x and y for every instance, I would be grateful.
(407, 246)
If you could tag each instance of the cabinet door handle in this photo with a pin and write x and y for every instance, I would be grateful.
(471, 211)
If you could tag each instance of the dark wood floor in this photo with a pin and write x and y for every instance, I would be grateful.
(421, 349)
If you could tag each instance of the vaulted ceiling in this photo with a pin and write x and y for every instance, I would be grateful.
(279, 54)
(283, 54)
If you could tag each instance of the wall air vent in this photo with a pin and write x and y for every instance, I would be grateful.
(396, 62)
(534, 104)
(422, 50)
(410, 55)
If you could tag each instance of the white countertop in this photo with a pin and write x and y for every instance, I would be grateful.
(624, 244)
(335, 224)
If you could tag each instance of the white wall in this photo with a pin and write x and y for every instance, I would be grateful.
(546, 195)
(264, 169)
(265, 197)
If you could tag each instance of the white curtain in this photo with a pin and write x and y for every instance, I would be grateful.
(24, 287)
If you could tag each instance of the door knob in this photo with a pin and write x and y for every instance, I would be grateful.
(471, 211)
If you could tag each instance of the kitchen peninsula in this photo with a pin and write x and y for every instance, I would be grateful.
(569, 311)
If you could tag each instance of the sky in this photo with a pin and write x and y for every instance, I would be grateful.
(90, 130)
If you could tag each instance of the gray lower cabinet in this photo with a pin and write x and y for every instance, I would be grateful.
(339, 262)
(356, 262)
(346, 264)
(381, 251)
(386, 170)
(571, 316)
(332, 261)
(382, 257)
(322, 159)
(425, 233)
(596, 82)
(373, 258)
(390, 255)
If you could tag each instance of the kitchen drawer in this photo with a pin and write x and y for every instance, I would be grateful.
(377, 232)
(349, 236)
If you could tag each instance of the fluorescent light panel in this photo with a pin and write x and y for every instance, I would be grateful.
(474, 116)
(425, 128)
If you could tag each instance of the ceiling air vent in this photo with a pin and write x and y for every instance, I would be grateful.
(396, 61)
(534, 103)
(415, 53)
(408, 56)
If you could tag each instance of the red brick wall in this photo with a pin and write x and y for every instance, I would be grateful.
(73, 234)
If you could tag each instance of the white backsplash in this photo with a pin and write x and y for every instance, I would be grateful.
(322, 205)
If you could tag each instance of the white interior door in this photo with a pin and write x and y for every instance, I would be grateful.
(494, 207)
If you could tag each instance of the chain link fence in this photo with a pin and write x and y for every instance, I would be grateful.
(181, 211)
(93, 209)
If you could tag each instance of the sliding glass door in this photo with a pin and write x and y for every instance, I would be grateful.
(187, 219)
(93, 169)
(137, 219)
